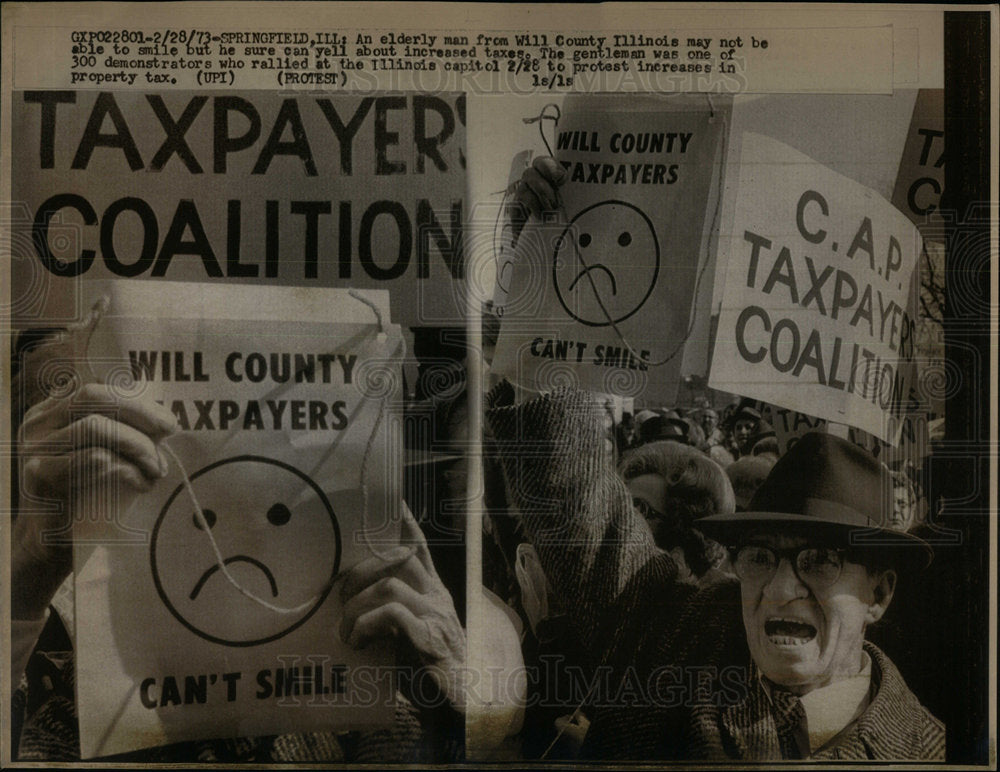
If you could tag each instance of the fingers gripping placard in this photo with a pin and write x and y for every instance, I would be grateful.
(280, 463)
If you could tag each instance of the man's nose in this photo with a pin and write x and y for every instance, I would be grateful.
(785, 585)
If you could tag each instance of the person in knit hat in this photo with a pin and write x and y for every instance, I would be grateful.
(672, 485)
(772, 665)
(747, 475)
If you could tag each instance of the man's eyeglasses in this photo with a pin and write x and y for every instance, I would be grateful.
(818, 567)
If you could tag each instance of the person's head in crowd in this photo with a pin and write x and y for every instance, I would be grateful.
(726, 418)
(709, 420)
(809, 590)
(672, 485)
(664, 427)
(746, 422)
(907, 509)
(643, 415)
(746, 475)
(720, 455)
(766, 446)
(695, 434)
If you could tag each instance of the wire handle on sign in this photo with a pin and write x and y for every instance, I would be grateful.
(379, 417)
(220, 561)
(512, 188)
(544, 116)
(371, 304)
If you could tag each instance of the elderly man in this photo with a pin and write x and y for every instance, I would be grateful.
(772, 666)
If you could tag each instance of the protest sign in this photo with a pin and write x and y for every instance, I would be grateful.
(920, 180)
(503, 241)
(918, 193)
(790, 426)
(250, 187)
(612, 277)
(817, 314)
(207, 609)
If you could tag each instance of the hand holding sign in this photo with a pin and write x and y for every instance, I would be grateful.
(94, 436)
(399, 593)
(536, 192)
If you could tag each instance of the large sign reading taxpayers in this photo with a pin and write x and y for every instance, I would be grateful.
(242, 187)
(817, 314)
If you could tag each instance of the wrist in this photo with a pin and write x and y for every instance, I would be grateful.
(34, 579)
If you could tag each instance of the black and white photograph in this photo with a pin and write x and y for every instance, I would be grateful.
(499, 385)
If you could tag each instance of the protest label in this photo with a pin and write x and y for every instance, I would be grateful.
(601, 295)
(790, 426)
(248, 187)
(817, 313)
(920, 180)
(207, 608)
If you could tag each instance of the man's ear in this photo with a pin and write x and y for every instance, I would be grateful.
(884, 587)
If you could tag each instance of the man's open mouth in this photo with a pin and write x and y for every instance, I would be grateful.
(782, 631)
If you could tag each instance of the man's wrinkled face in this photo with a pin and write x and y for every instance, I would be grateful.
(804, 637)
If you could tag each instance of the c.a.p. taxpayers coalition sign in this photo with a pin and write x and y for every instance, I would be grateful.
(208, 609)
(251, 187)
(602, 294)
(817, 314)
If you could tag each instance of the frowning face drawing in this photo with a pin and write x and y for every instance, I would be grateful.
(277, 537)
(609, 251)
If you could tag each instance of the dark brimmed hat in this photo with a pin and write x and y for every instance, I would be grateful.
(663, 428)
(827, 484)
(746, 411)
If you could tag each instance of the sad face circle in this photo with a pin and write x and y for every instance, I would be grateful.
(279, 540)
(609, 250)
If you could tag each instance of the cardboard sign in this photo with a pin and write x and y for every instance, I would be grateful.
(601, 295)
(790, 426)
(817, 314)
(250, 187)
(504, 244)
(920, 180)
(284, 453)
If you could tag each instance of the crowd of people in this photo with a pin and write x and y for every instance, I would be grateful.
(737, 431)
